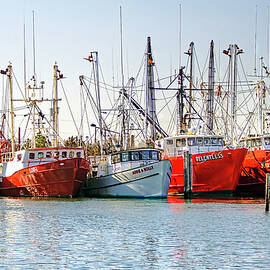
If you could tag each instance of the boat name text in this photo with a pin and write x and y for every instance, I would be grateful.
(209, 157)
(143, 170)
(33, 169)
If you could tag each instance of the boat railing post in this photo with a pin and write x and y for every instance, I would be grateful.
(267, 192)
(187, 175)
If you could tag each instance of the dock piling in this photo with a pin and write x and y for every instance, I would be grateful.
(187, 175)
(267, 192)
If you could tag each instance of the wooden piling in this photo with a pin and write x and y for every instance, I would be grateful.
(187, 175)
(267, 180)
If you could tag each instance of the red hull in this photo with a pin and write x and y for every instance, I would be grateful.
(62, 178)
(219, 174)
(252, 178)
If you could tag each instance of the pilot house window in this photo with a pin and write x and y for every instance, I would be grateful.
(31, 155)
(135, 156)
(145, 155)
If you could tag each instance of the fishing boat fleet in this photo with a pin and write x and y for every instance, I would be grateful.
(135, 156)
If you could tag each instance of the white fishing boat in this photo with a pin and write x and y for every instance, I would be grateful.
(132, 173)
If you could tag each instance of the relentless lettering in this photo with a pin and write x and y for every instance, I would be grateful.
(209, 157)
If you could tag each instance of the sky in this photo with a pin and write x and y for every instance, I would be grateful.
(66, 31)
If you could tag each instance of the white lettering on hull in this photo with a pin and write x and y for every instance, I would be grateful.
(209, 157)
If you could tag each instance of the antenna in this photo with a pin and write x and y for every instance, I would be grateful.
(24, 61)
(255, 45)
(180, 36)
(34, 48)
(267, 37)
(121, 47)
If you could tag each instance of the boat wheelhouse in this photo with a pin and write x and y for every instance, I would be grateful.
(256, 142)
(195, 144)
(131, 173)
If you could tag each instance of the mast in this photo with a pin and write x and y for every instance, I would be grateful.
(190, 52)
(11, 109)
(94, 60)
(180, 102)
(233, 53)
(150, 87)
(55, 106)
(211, 81)
(24, 62)
(255, 45)
(34, 49)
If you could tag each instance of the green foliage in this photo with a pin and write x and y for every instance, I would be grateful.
(40, 141)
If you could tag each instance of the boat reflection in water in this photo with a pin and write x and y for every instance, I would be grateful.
(229, 200)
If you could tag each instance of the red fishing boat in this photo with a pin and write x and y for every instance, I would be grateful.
(46, 172)
(255, 165)
(215, 170)
(29, 169)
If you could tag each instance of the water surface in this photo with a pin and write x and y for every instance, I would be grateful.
(134, 234)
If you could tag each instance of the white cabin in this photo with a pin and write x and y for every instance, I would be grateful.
(256, 142)
(33, 157)
(195, 144)
(127, 160)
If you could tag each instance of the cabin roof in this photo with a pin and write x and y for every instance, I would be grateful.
(53, 148)
(194, 136)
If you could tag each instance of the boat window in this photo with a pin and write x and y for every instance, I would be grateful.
(115, 158)
(31, 155)
(64, 154)
(135, 156)
(242, 143)
(154, 155)
(258, 142)
(78, 154)
(169, 142)
(125, 156)
(19, 157)
(180, 142)
(48, 154)
(56, 154)
(40, 154)
(191, 141)
(249, 143)
(214, 141)
(267, 141)
(71, 154)
(220, 141)
(206, 141)
(200, 141)
(145, 155)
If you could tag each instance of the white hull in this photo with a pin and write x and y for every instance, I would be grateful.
(148, 181)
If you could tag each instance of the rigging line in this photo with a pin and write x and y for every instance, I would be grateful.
(197, 61)
(48, 122)
(85, 110)
(18, 84)
(162, 91)
(162, 79)
(105, 85)
(69, 106)
(172, 98)
(244, 73)
(29, 115)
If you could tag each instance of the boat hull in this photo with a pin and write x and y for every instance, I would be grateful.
(148, 181)
(253, 175)
(61, 178)
(215, 173)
